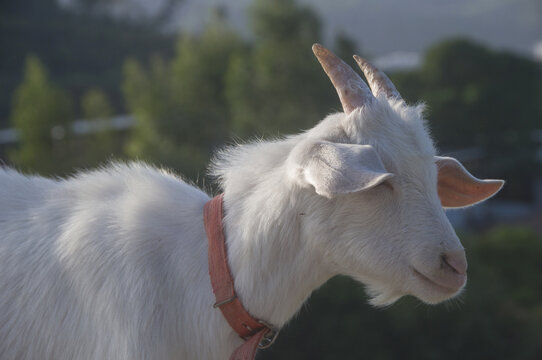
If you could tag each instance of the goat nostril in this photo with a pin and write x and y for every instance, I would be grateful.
(455, 261)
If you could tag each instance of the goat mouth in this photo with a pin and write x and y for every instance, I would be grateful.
(442, 288)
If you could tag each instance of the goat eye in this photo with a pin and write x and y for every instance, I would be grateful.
(388, 185)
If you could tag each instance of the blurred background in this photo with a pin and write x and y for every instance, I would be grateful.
(83, 82)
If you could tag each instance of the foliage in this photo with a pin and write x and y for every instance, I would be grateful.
(483, 98)
(278, 86)
(180, 107)
(43, 116)
(200, 69)
(97, 147)
(41, 112)
(498, 317)
(95, 105)
(82, 50)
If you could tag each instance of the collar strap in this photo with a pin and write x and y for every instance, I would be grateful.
(256, 333)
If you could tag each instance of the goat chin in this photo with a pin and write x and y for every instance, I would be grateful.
(380, 298)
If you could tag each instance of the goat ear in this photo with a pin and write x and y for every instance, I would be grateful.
(458, 188)
(335, 169)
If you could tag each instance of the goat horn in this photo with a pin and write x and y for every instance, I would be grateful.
(378, 81)
(352, 90)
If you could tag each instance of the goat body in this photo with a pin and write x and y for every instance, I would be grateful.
(111, 264)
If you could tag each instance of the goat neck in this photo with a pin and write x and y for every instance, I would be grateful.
(274, 268)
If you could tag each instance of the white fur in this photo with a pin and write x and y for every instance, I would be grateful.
(112, 264)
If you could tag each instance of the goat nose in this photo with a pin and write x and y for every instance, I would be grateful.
(455, 261)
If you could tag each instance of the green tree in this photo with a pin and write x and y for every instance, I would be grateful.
(95, 105)
(199, 70)
(277, 86)
(100, 143)
(41, 113)
(151, 99)
(81, 49)
(180, 107)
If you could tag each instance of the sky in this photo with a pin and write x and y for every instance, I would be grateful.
(392, 32)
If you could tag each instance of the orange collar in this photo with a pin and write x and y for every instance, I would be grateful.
(256, 333)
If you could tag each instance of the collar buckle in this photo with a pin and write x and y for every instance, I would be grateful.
(269, 337)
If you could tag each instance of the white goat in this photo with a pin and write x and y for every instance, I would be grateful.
(112, 264)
